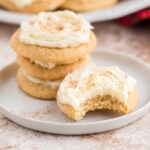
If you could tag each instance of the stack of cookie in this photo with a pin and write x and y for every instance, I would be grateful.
(49, 46)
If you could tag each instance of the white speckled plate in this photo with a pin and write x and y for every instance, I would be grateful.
(45, 115)
(122, 8)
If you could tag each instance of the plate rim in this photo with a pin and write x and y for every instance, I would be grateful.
(145, 107)
(125, 12)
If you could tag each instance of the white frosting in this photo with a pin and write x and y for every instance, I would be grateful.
(49, 65)
(52, 84)
(59, 29)
(23, 3)
(90, 81)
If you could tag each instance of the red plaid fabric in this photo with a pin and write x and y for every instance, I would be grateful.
(136, 17)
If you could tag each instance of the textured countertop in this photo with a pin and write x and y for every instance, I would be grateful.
(110, 35)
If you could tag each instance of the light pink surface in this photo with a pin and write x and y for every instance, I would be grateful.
(134, 41)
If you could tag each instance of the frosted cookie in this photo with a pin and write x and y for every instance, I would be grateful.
(50, 71)
(87, 5)
(37, 88)
(91, 87)
(30, 6)
(54, 37)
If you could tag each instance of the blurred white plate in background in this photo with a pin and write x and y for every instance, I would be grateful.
(123, 8)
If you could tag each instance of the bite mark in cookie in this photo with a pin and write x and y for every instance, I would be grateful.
(91, 87)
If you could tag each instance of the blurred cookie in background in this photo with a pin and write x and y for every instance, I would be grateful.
(87, 5)
(30, 6)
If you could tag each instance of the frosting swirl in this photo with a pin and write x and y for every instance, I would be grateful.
(59, 29)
